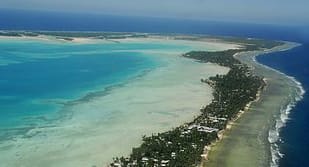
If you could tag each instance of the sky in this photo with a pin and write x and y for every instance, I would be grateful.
(259, 11)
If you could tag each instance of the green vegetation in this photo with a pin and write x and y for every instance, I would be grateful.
(68, 36)
(95, 35)
(249, 43)
(17, 34)
(233, 91)
(10, 34)
(253, 43)
(65, 38)
(184, 145)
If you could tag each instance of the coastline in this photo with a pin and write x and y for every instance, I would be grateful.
(238, 88)
(249, 142)
(245, 58)
(186, 85)
(229, 126)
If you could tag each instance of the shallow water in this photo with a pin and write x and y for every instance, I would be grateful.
(251, 140)
(290, 144)
(67, 104)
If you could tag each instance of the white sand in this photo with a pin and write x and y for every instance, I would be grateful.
(111, 125)
(210, 45)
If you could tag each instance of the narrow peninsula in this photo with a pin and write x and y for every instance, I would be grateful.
(188, 144)
(196, 142)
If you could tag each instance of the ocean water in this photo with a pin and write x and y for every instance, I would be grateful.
(292, 141)
(83, 103)
(292, 135)
(49, 21)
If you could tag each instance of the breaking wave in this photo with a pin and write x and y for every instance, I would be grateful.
(274, 133)
(296, 95)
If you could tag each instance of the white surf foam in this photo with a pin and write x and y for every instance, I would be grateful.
(274, 133)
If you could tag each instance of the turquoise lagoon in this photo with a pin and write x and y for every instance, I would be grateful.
(39, 78)
(83, 103)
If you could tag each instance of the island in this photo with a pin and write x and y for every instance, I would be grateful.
(188, 144)
(246, 88)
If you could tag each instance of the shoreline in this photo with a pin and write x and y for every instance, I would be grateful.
(239, 117)
(233, 156)
(216, 42)
(160, 118)
(229, 126)
(211, 121)
(281, 119)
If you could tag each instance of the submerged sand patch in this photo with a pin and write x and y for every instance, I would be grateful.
(110, 125)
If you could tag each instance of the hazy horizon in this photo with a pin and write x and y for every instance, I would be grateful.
(265, 12)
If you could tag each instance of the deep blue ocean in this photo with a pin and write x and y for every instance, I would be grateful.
(295, 136)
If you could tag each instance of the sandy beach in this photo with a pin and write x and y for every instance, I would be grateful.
(247, 142)
(110, 125)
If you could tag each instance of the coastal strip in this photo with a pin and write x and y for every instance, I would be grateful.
(252, 139)
(115, 122)
(233, 93)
